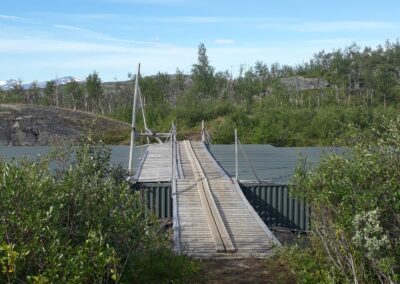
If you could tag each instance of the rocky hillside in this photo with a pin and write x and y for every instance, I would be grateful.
(28, 125)
(300, 84)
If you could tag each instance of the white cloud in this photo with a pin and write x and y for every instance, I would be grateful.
(332, 26)
(104, 37)
(40, 45)
(193, 20)
(79, 59)
(49, 57)
(76, 17)
(72, 28)
(91, 16)
(346, 26)
(338, 41)
(149, 2)
(217, 19)
(8, 17)
(66, 46)
(224, 41)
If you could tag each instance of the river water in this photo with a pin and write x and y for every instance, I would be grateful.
(265, 162)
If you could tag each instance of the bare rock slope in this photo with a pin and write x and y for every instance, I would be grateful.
(303, 84)
(28, 125)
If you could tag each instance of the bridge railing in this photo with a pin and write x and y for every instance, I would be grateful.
(174, 174)
(205, 136)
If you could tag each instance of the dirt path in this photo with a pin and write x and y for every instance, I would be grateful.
(233, 271)
(246, 271)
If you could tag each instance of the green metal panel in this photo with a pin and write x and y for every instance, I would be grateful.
(271, 201)
(157, 198)
(274, 205)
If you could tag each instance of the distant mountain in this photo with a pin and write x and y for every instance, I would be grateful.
(8, 84)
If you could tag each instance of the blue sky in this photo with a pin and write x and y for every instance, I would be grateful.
(43, 39)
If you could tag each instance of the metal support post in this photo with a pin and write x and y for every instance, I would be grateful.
(203, 134)
(236, 155)
(133, 130)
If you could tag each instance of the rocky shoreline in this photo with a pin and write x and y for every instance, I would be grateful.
(33, 125)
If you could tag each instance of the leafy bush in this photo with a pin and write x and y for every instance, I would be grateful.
(308, 265)
(355, 212)
(79, 224)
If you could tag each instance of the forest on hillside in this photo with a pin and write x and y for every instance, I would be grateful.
(321, 102)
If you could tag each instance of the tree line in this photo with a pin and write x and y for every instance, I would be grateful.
(79, 96)
(360, 85)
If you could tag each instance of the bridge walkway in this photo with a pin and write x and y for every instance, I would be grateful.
(214, 218)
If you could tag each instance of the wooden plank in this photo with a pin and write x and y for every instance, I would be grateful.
(254, 213)
(140, 166)
(237, 216)
(218, 242)
(194, 230)
(217, 227)
(157, 166)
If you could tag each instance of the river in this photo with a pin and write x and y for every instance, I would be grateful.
(275, 164)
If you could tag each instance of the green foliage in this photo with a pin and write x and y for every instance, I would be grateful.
(287, 125)
(74, 90)
(161, 266)
(123, 113)
(203, 75)
(78, 224)
(17, 89)
(94, 89)
(49, 93)
(8, 257)
(308, 265)
(361, 86)
(33, 94)
(355, 206)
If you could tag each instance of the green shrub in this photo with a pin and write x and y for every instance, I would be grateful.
(308, 265)
(79, 223)
(355, 209)
(160, 265)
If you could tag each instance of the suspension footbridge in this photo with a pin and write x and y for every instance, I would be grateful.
(211, 216)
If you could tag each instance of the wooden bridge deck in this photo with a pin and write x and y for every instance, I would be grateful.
(212, 217)
(155, 165)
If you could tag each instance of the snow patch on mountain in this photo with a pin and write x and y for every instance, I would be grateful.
(9, 84)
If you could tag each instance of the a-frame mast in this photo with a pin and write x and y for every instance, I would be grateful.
(133, 130)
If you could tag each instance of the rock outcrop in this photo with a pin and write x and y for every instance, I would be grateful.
(28, 125)
(302, 84)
